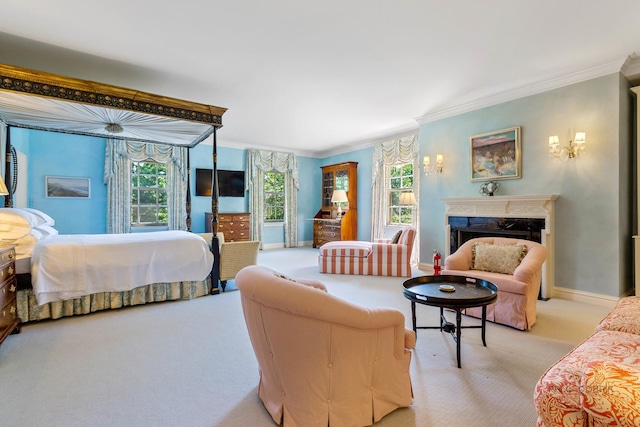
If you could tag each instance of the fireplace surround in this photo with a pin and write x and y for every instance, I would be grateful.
(529, 217)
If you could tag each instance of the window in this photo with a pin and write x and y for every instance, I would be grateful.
(273, 196)
(148, 194)
(401, 179)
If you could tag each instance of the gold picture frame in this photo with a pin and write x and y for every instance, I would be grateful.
(496, 155)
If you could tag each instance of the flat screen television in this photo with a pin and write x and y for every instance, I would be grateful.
(230, 183)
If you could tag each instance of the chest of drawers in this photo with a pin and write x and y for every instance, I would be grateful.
(236, 226)
(9, 320)
(329, 230)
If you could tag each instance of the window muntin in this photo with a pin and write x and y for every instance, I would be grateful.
(149, 194)
(400, 180)
(274, 196)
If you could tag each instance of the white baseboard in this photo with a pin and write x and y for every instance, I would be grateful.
(586, 297)
(281, 245)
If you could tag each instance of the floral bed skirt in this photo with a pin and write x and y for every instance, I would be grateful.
(29, 310)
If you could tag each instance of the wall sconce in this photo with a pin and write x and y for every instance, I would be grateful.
(407, 198)
(571, 151)
(339, 197)
(426, 163)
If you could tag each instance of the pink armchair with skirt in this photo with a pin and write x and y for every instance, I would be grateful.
(516, 272)
(322, 360)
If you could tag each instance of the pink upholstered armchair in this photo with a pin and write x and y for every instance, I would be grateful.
(324, 361)
(379, 258)
(517, 278)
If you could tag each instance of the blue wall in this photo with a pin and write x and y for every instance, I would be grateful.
(60, 154)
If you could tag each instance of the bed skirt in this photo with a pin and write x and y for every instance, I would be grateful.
(29, 310)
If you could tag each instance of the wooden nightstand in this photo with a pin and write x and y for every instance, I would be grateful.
(10, 323)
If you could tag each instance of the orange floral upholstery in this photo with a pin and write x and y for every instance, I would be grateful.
(625, 317)
(598, 382)
(610, 394)
(379, 258)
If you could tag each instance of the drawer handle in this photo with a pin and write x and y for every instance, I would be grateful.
(11, 255)
(10, 270)
(12, 310)
(12, 288)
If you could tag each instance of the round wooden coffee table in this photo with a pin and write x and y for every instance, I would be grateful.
(452, 292)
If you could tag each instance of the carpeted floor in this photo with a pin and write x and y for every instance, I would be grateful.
(190, 363)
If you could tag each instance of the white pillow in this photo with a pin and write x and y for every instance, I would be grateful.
(15, 216)
(12, 231)
(44, 231)
(44, 218)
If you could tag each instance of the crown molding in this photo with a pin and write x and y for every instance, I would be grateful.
(533, 88)
(631, 67)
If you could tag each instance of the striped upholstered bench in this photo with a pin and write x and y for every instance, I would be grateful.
(380, 258)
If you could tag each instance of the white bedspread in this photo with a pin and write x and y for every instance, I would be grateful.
(69, 266)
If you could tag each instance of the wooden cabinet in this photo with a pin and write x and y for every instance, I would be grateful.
(236, 226)
(328, 226)
(9, 320)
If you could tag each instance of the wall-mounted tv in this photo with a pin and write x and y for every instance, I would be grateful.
(230, 183)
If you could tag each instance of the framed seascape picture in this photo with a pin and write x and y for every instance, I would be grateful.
(67, 186)
(496, 155)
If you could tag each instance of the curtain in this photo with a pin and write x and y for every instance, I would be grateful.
(258, 163)
(117, 177)
(385, 154)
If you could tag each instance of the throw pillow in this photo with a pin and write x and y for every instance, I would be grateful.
(396, 237)
(497, 258)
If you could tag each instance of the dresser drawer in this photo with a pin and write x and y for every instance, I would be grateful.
(8, 314)
(8, 291)
(6, 272)
(235, 235)
(7, 255)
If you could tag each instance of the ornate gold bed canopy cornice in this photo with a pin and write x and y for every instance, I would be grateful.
(51, 102)
(40, 83)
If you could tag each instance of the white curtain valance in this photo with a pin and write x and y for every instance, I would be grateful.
(403, 150)
(272, 161)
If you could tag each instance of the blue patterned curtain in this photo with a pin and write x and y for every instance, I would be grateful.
(259, 162)
(117, 176)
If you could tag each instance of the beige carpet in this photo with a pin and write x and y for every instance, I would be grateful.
(190, 363)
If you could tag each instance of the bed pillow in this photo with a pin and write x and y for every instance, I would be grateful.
(43, 218)
(20, 217)
(497, 258)
(44, 231)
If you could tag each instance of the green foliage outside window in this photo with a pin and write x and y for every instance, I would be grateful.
(274, 196)
(401, 179)
(149, 193)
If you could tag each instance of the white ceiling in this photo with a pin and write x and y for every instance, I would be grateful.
(318, 77)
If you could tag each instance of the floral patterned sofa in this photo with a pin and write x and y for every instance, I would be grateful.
(598, 382)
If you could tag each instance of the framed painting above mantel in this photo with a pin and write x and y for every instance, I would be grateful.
(496, 155)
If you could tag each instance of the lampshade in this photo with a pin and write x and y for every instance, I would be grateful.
(3, 188)
(339, 196)
(407, 198)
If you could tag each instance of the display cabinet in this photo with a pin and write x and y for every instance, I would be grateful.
(328, 225)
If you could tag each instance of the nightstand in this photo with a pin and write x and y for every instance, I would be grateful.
(10, 323)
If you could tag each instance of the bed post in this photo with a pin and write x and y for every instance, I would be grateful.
(8, 199)
(188, 204)
(215, 244)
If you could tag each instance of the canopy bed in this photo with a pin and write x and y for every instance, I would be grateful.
(44, 101)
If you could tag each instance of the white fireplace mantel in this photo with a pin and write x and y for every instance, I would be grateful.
(523, 206)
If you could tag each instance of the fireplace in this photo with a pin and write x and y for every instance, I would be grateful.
(463, 228)
(520, 217)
